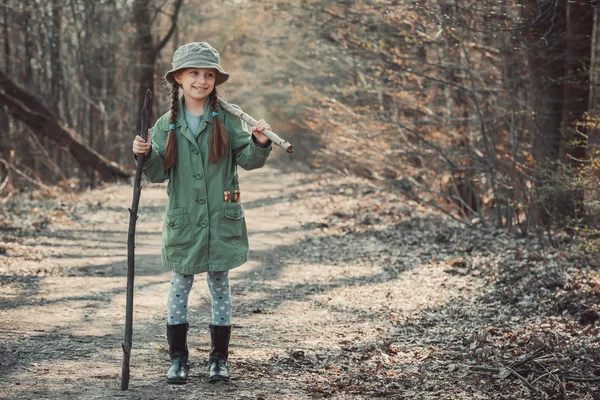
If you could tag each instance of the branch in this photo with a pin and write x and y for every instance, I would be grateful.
(5, 182)
(535, 354)
(490, 155)
(34, 113)
(24, 176)
(164, 41)
(525, 381)
(576, 379)
(48, 159)
(252, 122)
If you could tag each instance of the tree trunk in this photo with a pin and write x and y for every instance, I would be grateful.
(546, 74)
(146, 54)
(580, 28)
(594, 130)
(5, 31)
(5, 142)
(55, 59)
(147, 50)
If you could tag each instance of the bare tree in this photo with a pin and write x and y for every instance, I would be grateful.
(147, 49)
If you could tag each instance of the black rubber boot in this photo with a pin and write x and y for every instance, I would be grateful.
(179, 370)
(219, 370)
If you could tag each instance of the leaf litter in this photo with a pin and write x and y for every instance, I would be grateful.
(432, 309)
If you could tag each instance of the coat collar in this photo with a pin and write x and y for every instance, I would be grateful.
(208, 118)
(181, 123)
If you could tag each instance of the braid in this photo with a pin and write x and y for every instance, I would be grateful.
(171, 150)
(214, 100)
(218, 144)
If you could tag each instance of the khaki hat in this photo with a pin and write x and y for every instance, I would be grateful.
(197, 55)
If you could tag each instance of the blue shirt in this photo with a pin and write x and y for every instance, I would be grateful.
(193, 121)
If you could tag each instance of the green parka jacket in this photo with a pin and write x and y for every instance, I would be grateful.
(201, 232)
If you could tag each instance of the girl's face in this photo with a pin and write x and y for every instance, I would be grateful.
(197, 83)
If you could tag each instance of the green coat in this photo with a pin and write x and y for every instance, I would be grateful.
(201, 232)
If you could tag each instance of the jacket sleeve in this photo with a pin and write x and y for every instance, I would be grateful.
(154, 170)
(248, 153)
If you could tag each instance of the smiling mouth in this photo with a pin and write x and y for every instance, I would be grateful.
(201, 89)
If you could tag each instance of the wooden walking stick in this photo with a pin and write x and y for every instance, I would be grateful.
(137, 190)
(252, 122)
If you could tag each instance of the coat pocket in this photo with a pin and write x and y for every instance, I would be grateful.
(231, 223)
(177, 228)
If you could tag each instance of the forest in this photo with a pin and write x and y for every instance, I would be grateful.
(446, 171)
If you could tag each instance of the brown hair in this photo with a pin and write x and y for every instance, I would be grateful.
(170, 159)
(218, 144)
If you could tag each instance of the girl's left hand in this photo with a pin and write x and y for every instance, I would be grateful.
(258, 129)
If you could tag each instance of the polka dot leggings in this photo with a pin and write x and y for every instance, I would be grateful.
(181, 285)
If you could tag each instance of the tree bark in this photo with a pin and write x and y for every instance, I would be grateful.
(594, 130)
(5, 31)
(546, 69)
(580, 28)
(546, 60)
(31, 111)
(55, 59)
(4, 122)
(147, 50)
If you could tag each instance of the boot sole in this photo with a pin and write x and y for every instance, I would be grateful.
(218, 378)
(176, 382)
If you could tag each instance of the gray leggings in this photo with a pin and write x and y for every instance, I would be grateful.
(181, 285)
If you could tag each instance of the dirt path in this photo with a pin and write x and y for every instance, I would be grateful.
(62, 325)
(349, 294)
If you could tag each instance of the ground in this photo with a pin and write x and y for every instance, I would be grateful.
(351, 292)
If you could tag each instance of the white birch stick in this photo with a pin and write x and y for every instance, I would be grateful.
(252, 122)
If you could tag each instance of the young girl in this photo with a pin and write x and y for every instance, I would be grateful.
(197, 146)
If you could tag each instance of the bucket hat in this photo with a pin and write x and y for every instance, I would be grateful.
(197, 55)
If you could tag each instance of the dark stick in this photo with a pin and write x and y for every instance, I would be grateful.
(137, 190)
(577, 379)
(525, 381)
(485, 369)
(535, 354)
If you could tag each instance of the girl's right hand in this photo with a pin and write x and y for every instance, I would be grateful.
(141, 148)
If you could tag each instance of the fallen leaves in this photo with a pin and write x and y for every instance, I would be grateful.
(419, 300)
(523, 297)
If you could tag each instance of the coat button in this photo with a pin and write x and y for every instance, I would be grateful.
(201, 200)
(170, 223)
(235, 214)
(198, 175)
(195, 151)
(203, 224)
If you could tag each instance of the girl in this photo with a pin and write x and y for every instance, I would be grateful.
(197, 146)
